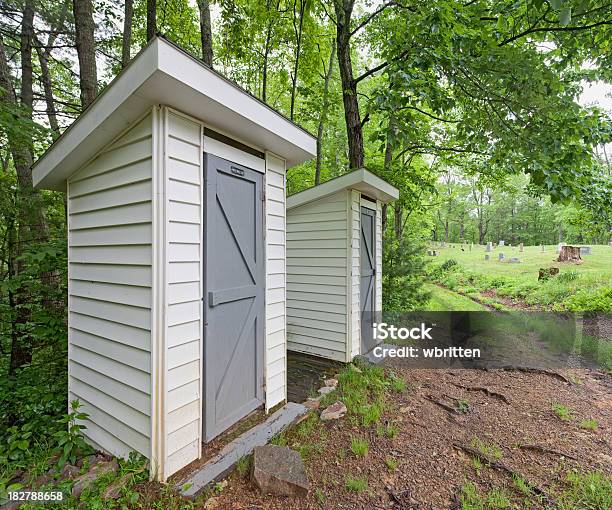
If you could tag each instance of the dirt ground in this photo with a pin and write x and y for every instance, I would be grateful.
(431, 469)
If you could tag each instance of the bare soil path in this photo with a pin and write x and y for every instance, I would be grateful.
(414, 462)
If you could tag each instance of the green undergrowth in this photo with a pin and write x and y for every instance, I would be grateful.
(577, 491)
(577, 288)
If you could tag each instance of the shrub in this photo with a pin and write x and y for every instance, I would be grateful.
(359, 447)
(356, 484)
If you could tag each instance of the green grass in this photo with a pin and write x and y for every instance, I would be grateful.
(586, 491)
(443, 299)
(356, 484)
(586, 286)
(359, 447)
(391, 463)
(589, 424)
(563, 412)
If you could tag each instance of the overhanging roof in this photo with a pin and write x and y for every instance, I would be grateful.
(360, 180)
(162, 73)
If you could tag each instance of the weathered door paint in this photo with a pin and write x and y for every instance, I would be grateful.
(234, 286)
(368, 277)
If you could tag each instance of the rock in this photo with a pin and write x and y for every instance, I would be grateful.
(487, 257)
(514, 260)
(113, 491)
(334, 412)
(279, 470)
(331, 383)
(69, 472)
(325, 390)
(500, 256)
(86, 480)
(312, 403)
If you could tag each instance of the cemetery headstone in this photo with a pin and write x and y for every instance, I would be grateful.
(609, 243)
(501, 242)
(471, 246)
(500, 256)
(559, 247)
(521, 248)
(487, 257)
(585, 250)
(514, 260)
(542, 248)
(489, 246)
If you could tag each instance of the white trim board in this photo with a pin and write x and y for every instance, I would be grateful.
(361, 180)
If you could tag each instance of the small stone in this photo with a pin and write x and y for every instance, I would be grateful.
(325, 390)
(334, 412)
(312, 403)
(113, 491)
(69, 472)
(86, 480)
(404, 409)
(279, 470)
(331, 383)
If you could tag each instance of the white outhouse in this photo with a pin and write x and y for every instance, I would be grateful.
(175, 179)
(334, 265)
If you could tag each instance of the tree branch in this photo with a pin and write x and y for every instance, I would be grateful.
(553, 29)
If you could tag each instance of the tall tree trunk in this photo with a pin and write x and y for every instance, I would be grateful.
(298, 30)
(44, 53)
(29, 212)
(86, 49)
(323, 115)
(128, 15)
(206, 32)
(354, 131)
(267, 49)
(151, 19)
(387, 164)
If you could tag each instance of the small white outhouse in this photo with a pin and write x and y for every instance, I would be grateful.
(175, 179)
(334, 265)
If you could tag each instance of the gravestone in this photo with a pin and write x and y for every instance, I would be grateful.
(542, 248)
(585, 250)
(501, 242)
(471, 246)
(487, 257)
(609, 243)
(521, 248)
(500, 256)
(514, 260)
(559, 247)
(489, 246)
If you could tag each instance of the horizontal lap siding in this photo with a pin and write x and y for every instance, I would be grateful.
(183, 162)
(317, 277)
(276, 333)
(110, 278)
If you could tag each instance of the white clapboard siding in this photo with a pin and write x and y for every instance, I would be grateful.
(184, 291)
(317, 277)
(109, 302)
(276, 320)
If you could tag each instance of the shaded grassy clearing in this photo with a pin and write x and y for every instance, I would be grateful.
(586, 286)
(443, 300)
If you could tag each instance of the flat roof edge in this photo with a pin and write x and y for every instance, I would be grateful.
(361, 180)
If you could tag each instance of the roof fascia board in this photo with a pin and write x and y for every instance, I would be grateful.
(360, 180)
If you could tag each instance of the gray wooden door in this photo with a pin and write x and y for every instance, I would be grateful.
(234, 285)
(368, 277)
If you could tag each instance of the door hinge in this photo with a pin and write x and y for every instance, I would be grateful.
(263, 196)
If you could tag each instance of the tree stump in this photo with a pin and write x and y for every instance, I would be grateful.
(569, 254)
(547, 272)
